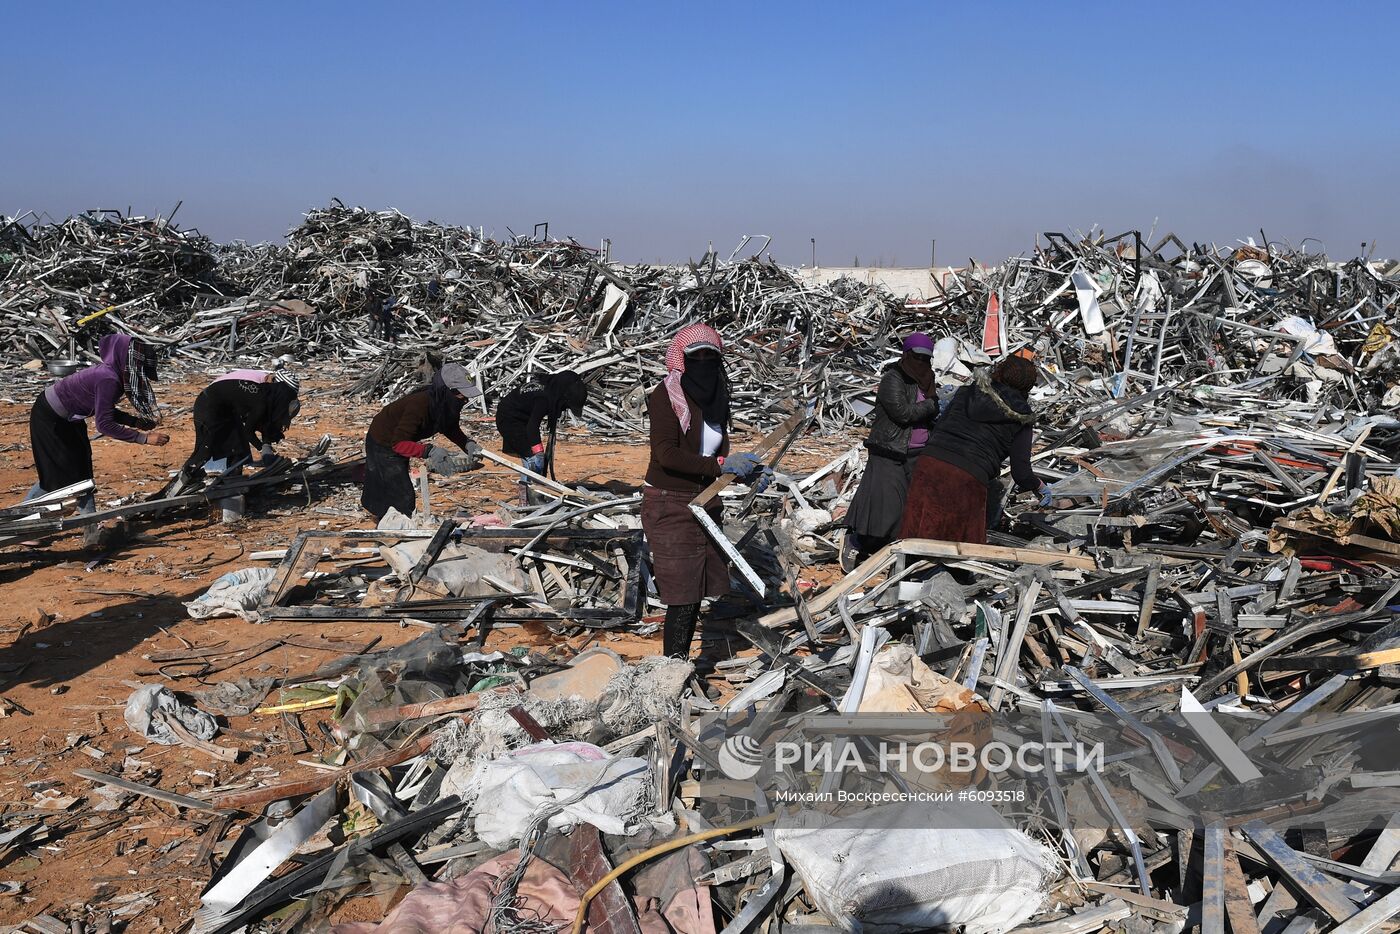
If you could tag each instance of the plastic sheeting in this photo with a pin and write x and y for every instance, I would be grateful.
(147, 700)
(237, 593)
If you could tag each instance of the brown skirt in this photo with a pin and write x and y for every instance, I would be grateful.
(945, 503)
(686, 565)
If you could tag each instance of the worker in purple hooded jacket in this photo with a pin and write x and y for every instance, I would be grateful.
(58, 433)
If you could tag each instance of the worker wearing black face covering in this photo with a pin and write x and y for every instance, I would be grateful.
(689, 416)
(704, 383)
(528, 416)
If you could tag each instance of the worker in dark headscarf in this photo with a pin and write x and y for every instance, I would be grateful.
(399, 431)
(906, 405)
(987, 423)
(528, 413)
(689, 413)
(58, 433)
(236, 413)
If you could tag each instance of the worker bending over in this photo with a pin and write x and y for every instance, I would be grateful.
(528, 417)
(236, 413)
(58, 431)
(400, 431)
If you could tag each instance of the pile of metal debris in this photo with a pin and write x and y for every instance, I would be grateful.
(1225, 696)
(1166, 702)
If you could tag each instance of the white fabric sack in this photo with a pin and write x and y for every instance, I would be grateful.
(578, 781)
(237, 593)
(902, 867)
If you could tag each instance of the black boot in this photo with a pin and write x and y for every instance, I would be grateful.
(679, 629)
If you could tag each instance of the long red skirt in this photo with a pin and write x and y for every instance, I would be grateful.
(945, 503)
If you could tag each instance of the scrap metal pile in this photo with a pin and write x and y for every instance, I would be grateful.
(1204, 622)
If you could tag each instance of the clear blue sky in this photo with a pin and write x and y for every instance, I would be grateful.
(872, 127)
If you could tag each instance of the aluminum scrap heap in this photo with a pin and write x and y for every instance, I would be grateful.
(513, 305)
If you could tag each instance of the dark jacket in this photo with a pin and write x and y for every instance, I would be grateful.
(897, 413)
(519, 415)
(983, 426)
(676, 463)
(403, 424)
(232, 415)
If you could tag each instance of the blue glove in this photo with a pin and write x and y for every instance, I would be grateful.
(741, 466)
(763, 481)
(1046, 497)
(534, 462)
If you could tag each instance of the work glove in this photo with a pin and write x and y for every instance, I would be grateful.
(742, 466)
(762, 480)
(534, 462)
(446, 464)
(1047, 498)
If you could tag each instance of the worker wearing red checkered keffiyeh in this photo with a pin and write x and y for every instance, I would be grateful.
(706, 384)
(689, 416)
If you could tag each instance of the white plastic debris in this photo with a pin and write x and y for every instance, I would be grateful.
(563, 784)
(145, 701)
(918, 866)
(237, 593)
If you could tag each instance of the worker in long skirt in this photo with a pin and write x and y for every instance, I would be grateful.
(400, 431)
(689, 413)
(906, 406)
(58, 431)
(528, 418)
(237, 413)
(987, 423)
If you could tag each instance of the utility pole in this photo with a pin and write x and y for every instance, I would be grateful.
(814, 252)
(933, 255)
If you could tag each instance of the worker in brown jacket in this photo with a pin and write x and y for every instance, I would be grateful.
(689, 414)
(400, 431)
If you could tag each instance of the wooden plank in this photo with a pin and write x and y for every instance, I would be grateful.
(769, 441)
(1149, 600)
(1321, 890)
(190, 741)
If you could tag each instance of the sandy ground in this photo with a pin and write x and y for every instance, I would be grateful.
(74, 640)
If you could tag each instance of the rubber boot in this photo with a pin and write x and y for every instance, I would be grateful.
(679, 629)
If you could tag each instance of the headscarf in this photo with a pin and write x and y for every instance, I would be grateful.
(444, 408)
(564, 390)
(695, 337)
(141, 371)
(283, 404)
(916, 362)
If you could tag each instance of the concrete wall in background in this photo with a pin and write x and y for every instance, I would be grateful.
(914, 283)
